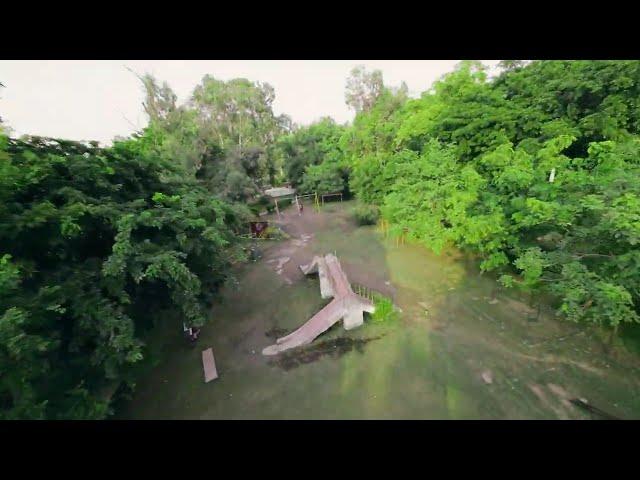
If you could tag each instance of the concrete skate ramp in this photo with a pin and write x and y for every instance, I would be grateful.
(346, 305)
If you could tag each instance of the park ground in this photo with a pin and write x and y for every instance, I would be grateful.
(461, 348)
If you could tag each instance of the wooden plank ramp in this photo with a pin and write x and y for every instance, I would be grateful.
(209, 365)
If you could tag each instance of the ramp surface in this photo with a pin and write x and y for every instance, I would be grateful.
(345, 305)
(209, 365)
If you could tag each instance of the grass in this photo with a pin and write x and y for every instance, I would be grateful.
(385, 310)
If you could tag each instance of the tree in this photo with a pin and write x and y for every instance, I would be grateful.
(363, 88)
(509, 65)
(309, 146)
(98, 244)
(160, 101)
(324, 178)
(237, 113)
(224, 136)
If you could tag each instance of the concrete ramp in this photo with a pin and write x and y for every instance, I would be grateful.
(320, 322)
(346, 305)
(319, 265)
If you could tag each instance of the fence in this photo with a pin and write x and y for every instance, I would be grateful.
(313, 196)
(367, 292)
(383, 226)
(330, 195)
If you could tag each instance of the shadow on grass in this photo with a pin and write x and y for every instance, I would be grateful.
(335, 348)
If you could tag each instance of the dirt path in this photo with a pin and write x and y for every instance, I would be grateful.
(457, 351)
(285, 257)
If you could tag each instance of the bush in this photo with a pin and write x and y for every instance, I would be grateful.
(366, 214)
(385, 310)
(275, 233)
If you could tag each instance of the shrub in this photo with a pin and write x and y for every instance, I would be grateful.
(275, 233)
(385, 310)
(366, 214)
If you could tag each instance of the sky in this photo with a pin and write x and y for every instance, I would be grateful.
(102, 99)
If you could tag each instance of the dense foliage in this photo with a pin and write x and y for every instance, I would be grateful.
(312, 158)
(224, 135)
(96, 243)
(99, 245)
(537, 171)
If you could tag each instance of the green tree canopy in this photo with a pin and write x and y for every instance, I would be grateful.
(96, 244)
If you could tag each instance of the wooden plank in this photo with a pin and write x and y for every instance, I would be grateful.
(209, 365)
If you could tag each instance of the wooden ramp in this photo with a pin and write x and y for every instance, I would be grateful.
(209, 365)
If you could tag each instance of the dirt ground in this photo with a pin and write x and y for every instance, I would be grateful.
(461, 349)
(299, 249)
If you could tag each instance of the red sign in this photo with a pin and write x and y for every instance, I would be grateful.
(258, 228)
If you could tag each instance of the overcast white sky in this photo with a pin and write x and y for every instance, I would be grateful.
(98, 100)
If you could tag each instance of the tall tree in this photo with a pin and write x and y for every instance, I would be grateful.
(363, 88)
(309, 146)
(236, 113)
(160, 101)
